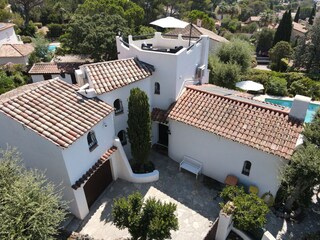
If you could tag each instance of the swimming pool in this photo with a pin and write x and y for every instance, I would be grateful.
(52, 48)
(287, 103)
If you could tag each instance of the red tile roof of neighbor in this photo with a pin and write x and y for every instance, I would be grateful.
(16, 50)
(257, 124)
(85, 177)
(108, 76)
(53, 68)
(54, 110)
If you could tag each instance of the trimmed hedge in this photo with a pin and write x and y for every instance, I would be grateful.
(282, 84)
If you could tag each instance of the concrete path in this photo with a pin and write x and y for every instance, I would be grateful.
(196, 207)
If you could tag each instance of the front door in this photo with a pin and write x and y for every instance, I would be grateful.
(98, 183)
(163, 134)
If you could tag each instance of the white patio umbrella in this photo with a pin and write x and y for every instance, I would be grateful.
(249, 86)
(170, 22)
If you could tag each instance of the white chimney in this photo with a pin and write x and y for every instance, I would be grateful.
(299, 107)
(199, 22)
(86, 91)
(80, 77)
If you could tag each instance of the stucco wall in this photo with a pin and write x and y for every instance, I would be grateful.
(171, 70)
(38, 153)
(221, 157)
(79, 159)
(16, 60)
(39, 77)
(9, 36)
(120, 120)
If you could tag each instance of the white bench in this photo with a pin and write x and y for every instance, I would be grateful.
(191, 165)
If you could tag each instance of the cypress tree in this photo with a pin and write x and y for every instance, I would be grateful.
(312, 14)
(297, 16)
(284, 29)
(139, 126)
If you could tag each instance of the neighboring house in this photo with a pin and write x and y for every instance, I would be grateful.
(15, 53)
(196, 32)
(12, 49)
(61, 66)
(298, 31)
(45, 71)
(8, 35)
(253, 19)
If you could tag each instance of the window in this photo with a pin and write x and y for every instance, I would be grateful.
(47, 76)
(92, 141)
(246, 168)
(156, 88)
(117, 104)
(122, 136)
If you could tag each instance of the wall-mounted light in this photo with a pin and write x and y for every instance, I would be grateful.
(169, 132)
(105, 124)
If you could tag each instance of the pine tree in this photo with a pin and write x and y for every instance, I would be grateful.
(312, 14)
(297, 16)
(284, 29)
(139, 126)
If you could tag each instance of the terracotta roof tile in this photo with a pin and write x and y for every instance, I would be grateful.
(15, 50)
(53, 68)
(256, 124)
(55, 110)
(108, 76)
(85, 177)
(161, 115)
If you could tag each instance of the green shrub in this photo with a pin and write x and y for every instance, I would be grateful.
(151, 219)
(250, 28)
(224, 74)
(26, 39)
(30, 29)
(250, 210)
(306, 87)
(38, 24)
(55, 30)
(277, 86)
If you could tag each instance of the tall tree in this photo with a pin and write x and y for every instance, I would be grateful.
(297, 16)
(94, 35)
(139, 126)
(312, 14)
(284, 29)
(26, 6)
(307, 54)
(265, 40)
(303, 173)
(30, 206)
(281, 50)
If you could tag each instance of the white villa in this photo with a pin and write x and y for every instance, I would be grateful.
(77, 133)
(12, 49)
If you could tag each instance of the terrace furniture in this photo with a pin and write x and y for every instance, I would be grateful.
(231, 180)
(191, 165)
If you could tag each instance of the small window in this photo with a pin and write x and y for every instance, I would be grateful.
(123, 138)
(92, 141)
(47, 76)
(246, 168)
(156, 88)
(117, 104)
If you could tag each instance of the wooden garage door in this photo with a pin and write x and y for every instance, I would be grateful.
(97, 183)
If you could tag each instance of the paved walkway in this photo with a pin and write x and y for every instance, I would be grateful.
(196, 208)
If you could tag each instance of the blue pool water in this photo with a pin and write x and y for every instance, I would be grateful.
(52, 48)
(287, 103)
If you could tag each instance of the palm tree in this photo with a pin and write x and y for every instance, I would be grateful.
(267, 18)
(234, 10)
(222, 8)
